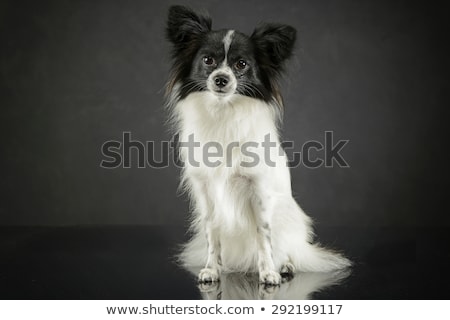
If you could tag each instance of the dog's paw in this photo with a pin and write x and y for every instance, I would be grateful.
(210, 289)
(208, 275)
(287, 272)
(267, 292)
(288, 268)
(269, 278)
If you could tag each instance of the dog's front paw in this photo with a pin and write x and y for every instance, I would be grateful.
(267, 292)
(269, 278)
(287, 272)
(208, 275)
(288, 268)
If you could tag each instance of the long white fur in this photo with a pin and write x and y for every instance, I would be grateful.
(227, 191)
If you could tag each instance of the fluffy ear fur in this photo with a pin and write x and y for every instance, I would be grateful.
(275, 42)
(184, 26)
(185, 29)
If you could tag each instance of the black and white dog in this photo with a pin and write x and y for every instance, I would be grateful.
(225, 103)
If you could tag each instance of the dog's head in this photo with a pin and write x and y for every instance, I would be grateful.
(226, 62)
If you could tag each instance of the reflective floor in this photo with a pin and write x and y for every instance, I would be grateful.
(137, 263)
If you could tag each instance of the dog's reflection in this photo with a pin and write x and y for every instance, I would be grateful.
(237, 286)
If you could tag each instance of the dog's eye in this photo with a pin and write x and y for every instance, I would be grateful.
(208, 60)
(241, 64)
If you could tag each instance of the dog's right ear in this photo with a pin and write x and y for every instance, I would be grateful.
(275, 41)
(184, 25)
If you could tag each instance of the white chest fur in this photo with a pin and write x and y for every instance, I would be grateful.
(236, 136)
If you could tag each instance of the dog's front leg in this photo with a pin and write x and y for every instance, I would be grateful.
(210, 272)
(263, 210)
(205, 210)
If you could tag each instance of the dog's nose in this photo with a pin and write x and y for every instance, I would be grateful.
(221, 80)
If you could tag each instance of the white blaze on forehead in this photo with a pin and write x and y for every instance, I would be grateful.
(226, 43)
(224, 70)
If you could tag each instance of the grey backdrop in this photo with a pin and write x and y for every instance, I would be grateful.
(75, 74)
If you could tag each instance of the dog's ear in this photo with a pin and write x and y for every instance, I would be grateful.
(184, 25)
(275, 42)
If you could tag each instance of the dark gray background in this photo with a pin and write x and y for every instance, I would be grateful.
(75, 74)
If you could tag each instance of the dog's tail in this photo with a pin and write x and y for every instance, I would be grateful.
(314, 258)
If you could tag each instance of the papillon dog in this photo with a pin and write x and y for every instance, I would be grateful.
(225, 105)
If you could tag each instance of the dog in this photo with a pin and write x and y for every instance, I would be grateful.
(224, 99)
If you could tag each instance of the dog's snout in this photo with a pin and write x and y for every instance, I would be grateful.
(221, 80)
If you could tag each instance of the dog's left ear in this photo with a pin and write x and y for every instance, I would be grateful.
(275, 41)
(185, 25)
